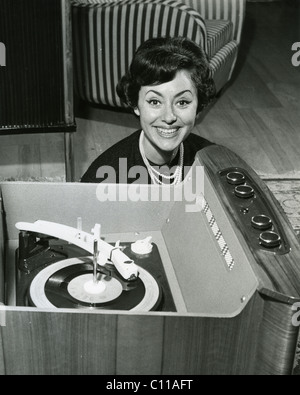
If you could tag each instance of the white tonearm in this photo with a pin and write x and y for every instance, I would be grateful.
(125, 266)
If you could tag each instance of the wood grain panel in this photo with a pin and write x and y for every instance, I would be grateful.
(277, 341)
(139, 345)
(212, 346)
(44, 343)
(37, 343)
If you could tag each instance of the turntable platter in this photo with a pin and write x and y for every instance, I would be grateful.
(69, 284)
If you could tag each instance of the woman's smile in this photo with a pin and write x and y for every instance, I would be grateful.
(167, 132)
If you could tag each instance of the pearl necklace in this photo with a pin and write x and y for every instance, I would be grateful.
(155, 174)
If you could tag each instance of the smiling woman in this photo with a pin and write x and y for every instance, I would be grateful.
(167, 85)
(167, 115)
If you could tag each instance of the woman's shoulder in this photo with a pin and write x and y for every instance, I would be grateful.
(197, 142)
(192, 145)
(125, 144)
(125, 148)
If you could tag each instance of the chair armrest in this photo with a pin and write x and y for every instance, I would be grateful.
(233, 10)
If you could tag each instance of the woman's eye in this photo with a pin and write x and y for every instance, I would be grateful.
(183, 103)
(154, 102)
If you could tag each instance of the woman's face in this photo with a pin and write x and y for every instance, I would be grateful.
(167, 115)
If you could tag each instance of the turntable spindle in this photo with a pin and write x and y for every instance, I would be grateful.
(94, 285)
(95, 256)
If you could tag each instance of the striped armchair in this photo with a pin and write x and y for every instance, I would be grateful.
(106, 34)
(224, 21)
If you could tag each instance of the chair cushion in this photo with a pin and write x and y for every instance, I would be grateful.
(219, 33)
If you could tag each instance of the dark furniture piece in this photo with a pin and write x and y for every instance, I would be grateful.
(36, 93)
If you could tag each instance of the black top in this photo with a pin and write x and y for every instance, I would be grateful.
(113, 166)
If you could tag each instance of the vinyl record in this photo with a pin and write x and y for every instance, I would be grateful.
(69, 284)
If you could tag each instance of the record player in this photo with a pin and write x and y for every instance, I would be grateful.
(54, 270)
(162, 286)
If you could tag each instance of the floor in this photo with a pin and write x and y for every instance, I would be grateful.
(257, 116)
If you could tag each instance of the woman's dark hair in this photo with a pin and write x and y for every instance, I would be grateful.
(158, 60)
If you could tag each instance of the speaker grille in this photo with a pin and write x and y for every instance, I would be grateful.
(36, 84)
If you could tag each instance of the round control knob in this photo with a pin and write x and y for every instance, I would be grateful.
(244, 191)
(270, 239)
(235, 178)
(261, 222)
